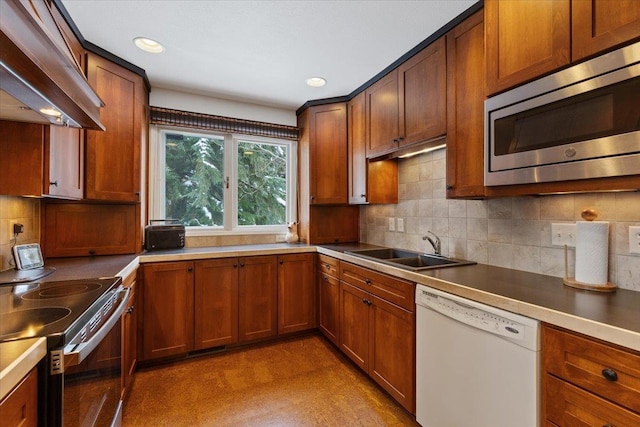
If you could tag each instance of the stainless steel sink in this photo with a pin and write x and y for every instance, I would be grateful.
(410, 260)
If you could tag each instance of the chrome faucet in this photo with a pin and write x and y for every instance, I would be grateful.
(435, 242)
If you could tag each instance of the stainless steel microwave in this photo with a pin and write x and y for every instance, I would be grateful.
(581, 122)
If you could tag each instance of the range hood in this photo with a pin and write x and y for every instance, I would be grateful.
(38, 69)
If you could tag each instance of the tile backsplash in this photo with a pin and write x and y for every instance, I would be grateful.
(509, 232)
(17, 210)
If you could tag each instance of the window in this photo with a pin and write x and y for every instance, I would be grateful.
(222, 183)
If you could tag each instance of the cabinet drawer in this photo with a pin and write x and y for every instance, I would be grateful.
(328, 265)
(567, 405)
(585, 363)
(394, 290)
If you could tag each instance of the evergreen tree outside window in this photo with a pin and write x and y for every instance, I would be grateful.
(223, 183)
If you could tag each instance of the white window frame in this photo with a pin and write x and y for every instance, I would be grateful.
(230, 215)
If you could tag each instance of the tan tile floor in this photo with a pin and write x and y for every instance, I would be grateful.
(299, 382)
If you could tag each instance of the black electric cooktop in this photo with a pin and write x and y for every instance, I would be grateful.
(49, 309)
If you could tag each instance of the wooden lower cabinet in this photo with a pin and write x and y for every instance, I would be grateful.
(195, 305)
(586, 382)
(380, 338)
(20, 407)
(296, 293)
(258, 298)
(329, 298)
(216, 303)
(167, 302)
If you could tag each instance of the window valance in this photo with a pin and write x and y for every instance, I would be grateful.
(187, 119)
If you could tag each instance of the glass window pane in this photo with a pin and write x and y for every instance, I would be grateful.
(194, 178)
(262, 183)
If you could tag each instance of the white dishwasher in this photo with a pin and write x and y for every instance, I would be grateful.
(476, 365)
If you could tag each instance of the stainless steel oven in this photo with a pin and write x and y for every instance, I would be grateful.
(81, 381)
(581, 122)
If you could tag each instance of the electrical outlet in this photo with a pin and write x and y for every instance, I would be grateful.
(563, 234)
(392, 224)
(634, 240)
(400, 225)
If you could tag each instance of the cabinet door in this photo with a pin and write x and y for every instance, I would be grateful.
(20, 407)
(74, 229)
(392, 352)
(369, 182)
(465, 109)
(328, 154)
(21, 158)
(113, 156)
(167, 309)
(382, 130)
(354, 324)
(296, 293)
(598, 25)
(216, 303)
(329, 306)
(357, 150)
(525, 39)
(258, 298)
(64, 162)
(422, 89)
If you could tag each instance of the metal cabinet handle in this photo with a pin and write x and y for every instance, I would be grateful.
(235, 265)
(363, 195)
(400, 138)
(449, 187)
(54, 183)
(610, 374)
(130, 310)
(367, 281)
(241, 264)
(190, 269)
(92, 252)
(281, 262)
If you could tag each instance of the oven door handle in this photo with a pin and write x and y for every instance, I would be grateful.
(82, 350)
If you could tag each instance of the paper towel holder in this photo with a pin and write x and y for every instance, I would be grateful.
(587, 215)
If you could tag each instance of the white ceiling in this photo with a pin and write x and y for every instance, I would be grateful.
(262, 51)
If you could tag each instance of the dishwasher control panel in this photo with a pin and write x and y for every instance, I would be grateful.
(474, 314)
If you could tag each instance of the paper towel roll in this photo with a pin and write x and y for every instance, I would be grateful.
(592, 252)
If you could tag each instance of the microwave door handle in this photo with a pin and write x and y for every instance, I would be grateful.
(82, 350)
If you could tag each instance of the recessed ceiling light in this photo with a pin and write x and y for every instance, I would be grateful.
(148, 45)
(316, 81)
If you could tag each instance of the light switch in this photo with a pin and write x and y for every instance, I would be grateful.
(400, 226)
(392, 224)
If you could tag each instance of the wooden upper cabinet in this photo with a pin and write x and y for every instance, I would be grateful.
(422, 100)
(382, 111)
(322, 177)
(369, 182)
(408, 105)
(41, 160)
(328, 154)
(465, 105)
(113, 156)
(598, 25)
(21, 158)
(357, 156)
(525, 39)
(64, 170)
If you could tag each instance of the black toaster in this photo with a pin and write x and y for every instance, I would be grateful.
(169, 234)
